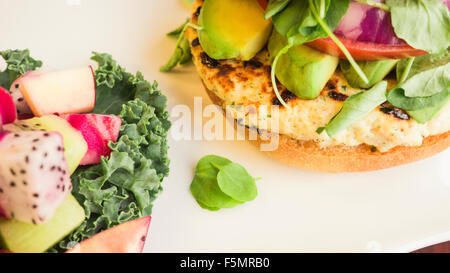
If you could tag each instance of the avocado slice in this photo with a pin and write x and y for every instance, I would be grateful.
(233, 29)
(374, 70)
(21, 237)
(302, 70)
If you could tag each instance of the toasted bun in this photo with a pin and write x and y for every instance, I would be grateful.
(309, 156)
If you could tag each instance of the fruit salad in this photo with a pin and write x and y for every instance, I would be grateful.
(83, 153)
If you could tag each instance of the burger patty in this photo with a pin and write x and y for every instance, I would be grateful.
(244, 86)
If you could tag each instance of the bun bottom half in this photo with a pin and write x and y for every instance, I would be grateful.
(308, 155)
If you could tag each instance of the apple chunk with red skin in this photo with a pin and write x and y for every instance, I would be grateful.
(62, 92)
(125, 238)
(98, 131)
(8, 113)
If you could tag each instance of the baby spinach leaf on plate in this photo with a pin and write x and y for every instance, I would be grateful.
(18, 62)
(205, 188)
(355, 108)
(398, 98)
(219, 183)
(235, 181)
(207, 208)
(423, 24)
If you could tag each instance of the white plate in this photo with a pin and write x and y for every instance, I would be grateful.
(400, 209)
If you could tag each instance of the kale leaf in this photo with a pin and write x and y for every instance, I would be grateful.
(18, 62)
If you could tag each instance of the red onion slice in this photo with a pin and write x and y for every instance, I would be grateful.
(366, 23)
(447, 3)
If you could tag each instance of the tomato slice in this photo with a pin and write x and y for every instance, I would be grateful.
(361, 51)
(263, 3)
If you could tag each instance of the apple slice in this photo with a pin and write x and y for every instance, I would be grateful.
(8, 112)
(63, 92)
(98, 131)
(125, 238)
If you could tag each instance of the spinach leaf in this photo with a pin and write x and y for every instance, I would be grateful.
(423, 24)
(182, 53)
(203, 206)
(292, 15)
(375, 3)
(274, 7)
(219, 183)
(398, 98)
(428, 74)
(424, 80)
(298, 24)
(355, 108)
(204, 187)
(427, 83)
(176, 32)
(422, 63)
(235, 181)
(336, 11)
(18, 62)
(427, 114)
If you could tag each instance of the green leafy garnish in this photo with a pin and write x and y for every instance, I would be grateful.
(423, 88)
(219, 183)
(273, 74)
(298, 23)
(182, 53)
(355, 108)
(423, 24)
(18, 62)
(124, 186)
(176, 32)
(404, 71)
(422, 63)
(428, 74)
(204, 186)
(375, 4)
(398, 98)
(236, 182)
(274, 7)
(427, 114)
(427, 83)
